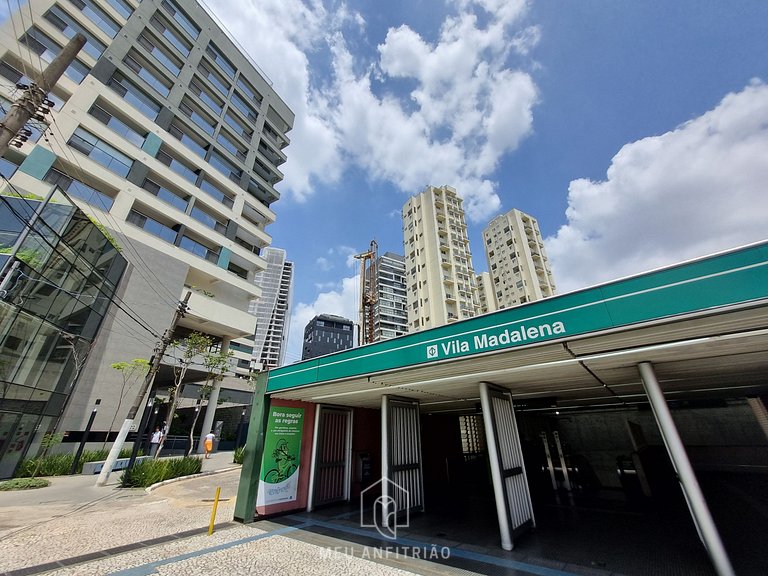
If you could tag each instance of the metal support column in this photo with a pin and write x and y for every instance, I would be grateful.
(690, 485)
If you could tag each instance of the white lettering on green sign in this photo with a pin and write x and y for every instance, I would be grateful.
(481, 342)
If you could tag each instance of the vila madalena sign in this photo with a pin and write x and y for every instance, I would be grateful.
(489, 340)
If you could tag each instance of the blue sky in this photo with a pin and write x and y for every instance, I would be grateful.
(635, 132)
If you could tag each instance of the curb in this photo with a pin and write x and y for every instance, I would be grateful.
(149, 489)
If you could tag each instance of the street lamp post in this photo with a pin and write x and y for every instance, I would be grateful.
(240, 427)
(84, 439)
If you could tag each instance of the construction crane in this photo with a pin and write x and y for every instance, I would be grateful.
(368, 293)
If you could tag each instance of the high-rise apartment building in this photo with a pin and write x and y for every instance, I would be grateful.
(438, 261)
(517, 260)
(272, 310)
(486, 294)
(169, 135)
(390, 314)
(326, 334)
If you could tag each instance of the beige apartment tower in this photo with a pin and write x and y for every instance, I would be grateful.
(438, 263)
(517, 260)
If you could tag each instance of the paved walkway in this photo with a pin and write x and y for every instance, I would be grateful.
(76, 528)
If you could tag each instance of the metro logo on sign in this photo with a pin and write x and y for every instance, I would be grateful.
(432, 351)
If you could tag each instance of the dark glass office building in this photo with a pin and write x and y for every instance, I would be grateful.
(54, 295)
(326, 334)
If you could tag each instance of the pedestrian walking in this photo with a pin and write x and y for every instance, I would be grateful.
(154, 442)
(209, 438)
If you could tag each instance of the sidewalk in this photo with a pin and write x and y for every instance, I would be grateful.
(67, 494)
(74, 528)
(73, 516)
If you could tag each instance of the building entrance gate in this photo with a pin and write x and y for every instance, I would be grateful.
(331, 456)
(513, 498)
(401, 460)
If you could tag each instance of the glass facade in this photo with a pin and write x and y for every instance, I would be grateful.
(51, 307)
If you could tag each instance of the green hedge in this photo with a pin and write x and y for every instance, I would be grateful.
(239, 453)
(148, 472)
(23, 484)
(60, 464)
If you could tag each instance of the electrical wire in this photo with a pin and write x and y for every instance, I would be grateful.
(174, 300)
(116, 299)
(144, 272)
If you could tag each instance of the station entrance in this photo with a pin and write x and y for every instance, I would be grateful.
(618, 423)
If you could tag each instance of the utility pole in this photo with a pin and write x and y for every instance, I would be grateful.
(33, 104)
(139, 401)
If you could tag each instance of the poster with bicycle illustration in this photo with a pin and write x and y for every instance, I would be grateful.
(280, 464)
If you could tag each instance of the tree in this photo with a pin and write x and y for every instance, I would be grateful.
(131, 372)
(216, 365)
(48, 442)
(191, 346)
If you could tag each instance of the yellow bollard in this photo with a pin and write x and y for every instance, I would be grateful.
(213, 513)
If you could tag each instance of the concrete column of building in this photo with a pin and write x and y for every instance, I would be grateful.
(758, 408)
(210, 410)
(690, 485)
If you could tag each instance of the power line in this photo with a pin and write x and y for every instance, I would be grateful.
(116, 299)
(72, 158)
(173, 297)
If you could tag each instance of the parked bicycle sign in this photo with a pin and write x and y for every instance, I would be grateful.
(280, 463)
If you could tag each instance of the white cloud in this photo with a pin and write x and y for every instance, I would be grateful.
(698, 189)
(466, 107)
(323, 264)
(341, 301)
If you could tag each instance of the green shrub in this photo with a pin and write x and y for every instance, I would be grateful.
(60, 464)
(51, 465)
(148, 472)
(239, 453)
(24, 484)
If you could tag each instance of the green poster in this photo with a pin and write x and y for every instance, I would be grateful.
(282, 450)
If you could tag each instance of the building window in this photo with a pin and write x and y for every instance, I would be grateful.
(213, 102)
(197, 116)
(166, 195)
(96, 15)
(207, 220)
(134, 95)
(221, 62)
(133, 136)
(241, 105)
(191, 141)
(199, 249)
(209, 188)
(229, 143)
(144, 71)
(177, 166)
(207, 72)
(101, 152)
(79, 189)
(181, 18)
(69, 27)
(249, 91)
(242, 130)
(225, 166)
(152, 226)
(122, 7)
(7, 168)
(168, 61)
(47, 50)
(181, 44)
